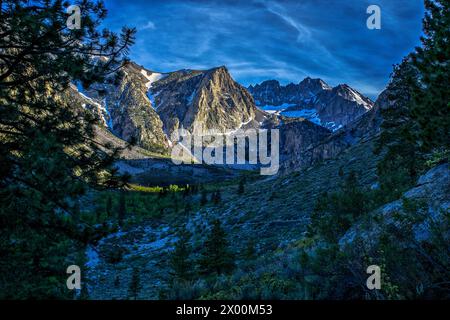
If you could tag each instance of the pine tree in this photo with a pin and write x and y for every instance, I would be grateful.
(187, 208)
(416, 125)
(334, 213)
(204, 198)
(47, 151)
(216, 256)
(122, 212)
(116, 282)
(241, 188)
(135, 284)
(400, 164)
(217, 197)
(176, 205)
(180, 262)
(431, 99)
(109, 206)
(250, 250)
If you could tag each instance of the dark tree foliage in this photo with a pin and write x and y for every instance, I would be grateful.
(216, 256)
(241, 187)
(216, 197)
(122, 212)
(398, 168)
(109, 206)
(204, 198)
(116, 282)
(135, 284)
(48, 155)
(250, 250)
(335, 212)
(187, 208)
(416, 124)
(431, 98)
(181, 263)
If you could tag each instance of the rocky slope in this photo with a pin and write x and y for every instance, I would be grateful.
(312, 99)
(432, 192)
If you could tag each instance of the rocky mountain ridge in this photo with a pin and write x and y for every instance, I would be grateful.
(312, 99)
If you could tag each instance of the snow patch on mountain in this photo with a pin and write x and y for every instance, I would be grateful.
(355, 96)
(152, 77)
(310, 114)
(190, 99)
(108, 119)
(103, 112)
(275, 109)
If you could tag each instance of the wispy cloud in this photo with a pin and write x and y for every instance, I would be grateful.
(150, 25)
(280, 12)
(282, 39)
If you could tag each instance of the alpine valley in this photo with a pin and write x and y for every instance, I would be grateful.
(327, 151)
(95, 204)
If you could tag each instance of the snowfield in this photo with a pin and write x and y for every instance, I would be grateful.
(152, 77)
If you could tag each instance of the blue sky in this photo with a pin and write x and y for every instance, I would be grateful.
(284, 40)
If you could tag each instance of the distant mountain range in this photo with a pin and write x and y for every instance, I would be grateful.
(312, 99)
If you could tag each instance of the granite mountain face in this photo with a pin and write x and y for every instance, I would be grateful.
(203, 100)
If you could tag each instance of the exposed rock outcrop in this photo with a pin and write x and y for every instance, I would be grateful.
(431, 193)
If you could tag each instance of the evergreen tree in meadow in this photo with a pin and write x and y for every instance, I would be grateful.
(217, 197)
(116, 282)
(135, 285)
(250, 250)
(204, 198)
(48, 154)
(187, 208)
(180, 263)
(122, 212)
(109, 206)
(217, 257)
(241, 187)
